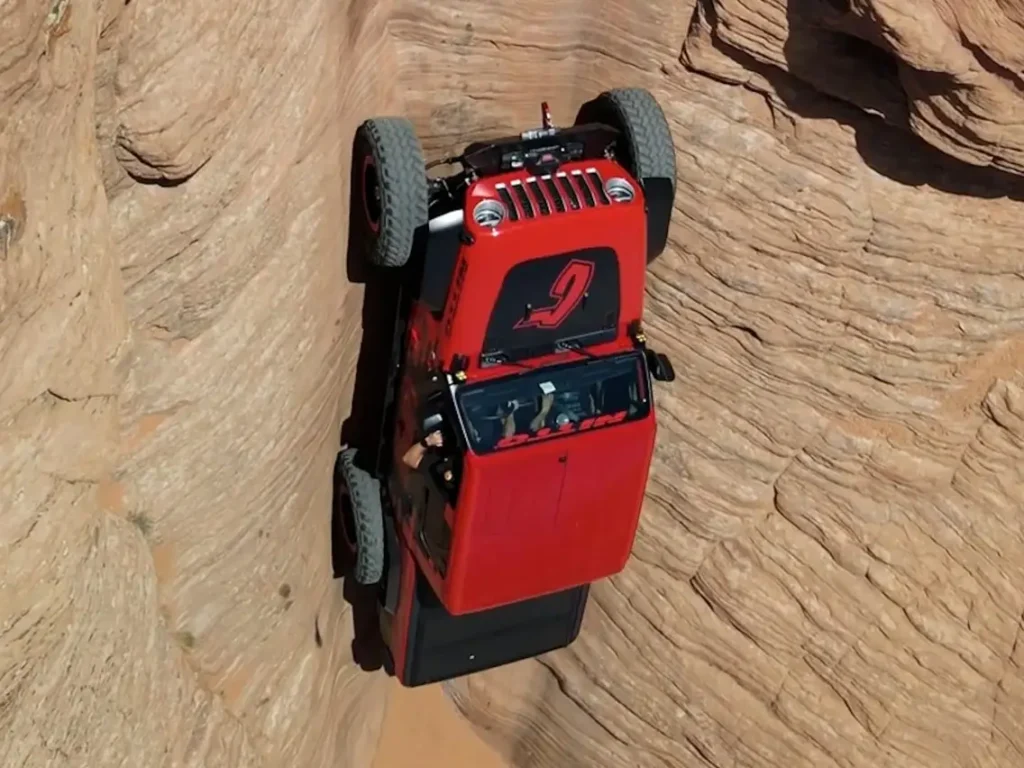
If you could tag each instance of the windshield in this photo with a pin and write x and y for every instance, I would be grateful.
(554, 401)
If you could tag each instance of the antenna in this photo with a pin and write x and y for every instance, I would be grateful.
(546, 115)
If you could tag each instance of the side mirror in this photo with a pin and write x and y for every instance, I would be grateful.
(431, 422)
(431, 412)
(660, 365)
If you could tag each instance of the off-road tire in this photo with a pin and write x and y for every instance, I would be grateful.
(397, 158)
(364, 497)
(647, 150)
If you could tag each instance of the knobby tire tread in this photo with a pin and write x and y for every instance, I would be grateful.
(364, 496)
(401, 175)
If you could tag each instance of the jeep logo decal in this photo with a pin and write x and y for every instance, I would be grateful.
(568, 291)
(573, 295)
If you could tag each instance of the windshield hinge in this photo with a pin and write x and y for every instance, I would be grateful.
(636, 333)
(457, 369)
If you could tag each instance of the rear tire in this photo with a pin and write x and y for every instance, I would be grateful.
(646, 150)
(366, 536)
(389, 190)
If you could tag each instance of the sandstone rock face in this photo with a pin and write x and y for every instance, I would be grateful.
(176, 339)
(829, 569)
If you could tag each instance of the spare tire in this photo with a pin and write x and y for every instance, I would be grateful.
(362, 518)
(645, 149)
(389, 190)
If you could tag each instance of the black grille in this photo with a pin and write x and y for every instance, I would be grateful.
(598, 185)
(570, 191)
(524, 200)
(506, 198)
(553, 193)
(538, 195)
(556, 196)
(588, 196)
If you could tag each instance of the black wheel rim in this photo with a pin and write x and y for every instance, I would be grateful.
(371, 192)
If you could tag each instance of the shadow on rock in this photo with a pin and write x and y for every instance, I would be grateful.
(838, 70)
(367, 644)
(361, 430)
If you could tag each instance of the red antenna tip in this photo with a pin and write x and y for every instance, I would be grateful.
(546, 112)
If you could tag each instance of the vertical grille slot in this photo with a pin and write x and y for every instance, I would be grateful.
(524, 199)
(588, 196)
(556, 196)
(506, 198)
(538, 195)
(574, 200)
(598, 185)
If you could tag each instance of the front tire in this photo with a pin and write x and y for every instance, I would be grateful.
(389, 189)
(363, 520)
(645, 149)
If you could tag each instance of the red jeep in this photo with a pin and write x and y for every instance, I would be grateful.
(517, 347)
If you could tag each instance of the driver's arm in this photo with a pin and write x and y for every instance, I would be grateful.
(508, 422)
(413, 457)
(546, 402)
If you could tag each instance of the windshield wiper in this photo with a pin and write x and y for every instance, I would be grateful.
(575, 346)
(503, 358)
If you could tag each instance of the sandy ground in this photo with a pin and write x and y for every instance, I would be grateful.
(422, 728)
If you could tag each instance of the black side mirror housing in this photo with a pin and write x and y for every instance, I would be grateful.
(660, 365)
(431, 422)
(431, 411)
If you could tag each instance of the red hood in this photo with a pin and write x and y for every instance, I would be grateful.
(547, 516)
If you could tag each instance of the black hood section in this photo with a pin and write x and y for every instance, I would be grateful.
(552, 303)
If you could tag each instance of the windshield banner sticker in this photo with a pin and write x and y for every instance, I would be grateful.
(567, 428)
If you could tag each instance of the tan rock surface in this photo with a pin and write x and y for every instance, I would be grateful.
(829, 567)
(950, 70)
(174, 358)
(422, 728)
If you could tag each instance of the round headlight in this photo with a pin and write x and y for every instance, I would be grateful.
(619, 189)
(489, 213)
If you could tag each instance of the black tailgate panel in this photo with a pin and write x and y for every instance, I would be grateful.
(442, 646)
